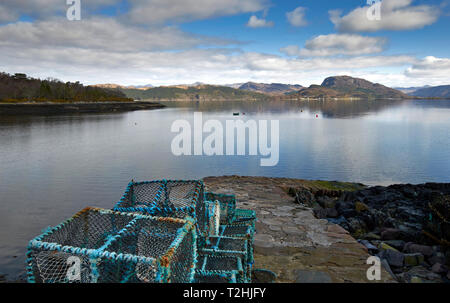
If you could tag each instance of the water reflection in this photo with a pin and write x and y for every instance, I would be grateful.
(51, 167)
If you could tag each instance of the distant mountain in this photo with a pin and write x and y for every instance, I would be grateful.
(442, 91)
(192, 93)
(348, 87)
(409, 90)
(272, 89)
(117, 86)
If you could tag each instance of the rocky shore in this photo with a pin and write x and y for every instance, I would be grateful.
(73, 108)
(406, 226)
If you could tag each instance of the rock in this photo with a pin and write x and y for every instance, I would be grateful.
(416, 280)
(417, 248)
(361, 207)
(320, 213)
(263, 276)
(307, 276)
(331, 213)
(349, 213)
(423, 273)
(368, 245)
(356, 225)
(437, 258)
(326, 202)
(384, 246)
(414, 259)
(304, 196)
(394, 258)
(340, 220)
(390, 234)
(439, 268)
(371, 236)
(386, 266)
(397, 244)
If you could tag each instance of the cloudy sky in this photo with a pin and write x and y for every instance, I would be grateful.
(164, 42)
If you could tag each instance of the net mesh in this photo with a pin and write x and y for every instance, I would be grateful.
(227, 206)
(104, 246)
(173, 198)
(219, 269)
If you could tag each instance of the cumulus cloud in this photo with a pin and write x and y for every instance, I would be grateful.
(98, 33)
(160, 11)
(337, 44)
(256, 22)
(395, 15)
(297, 17)
(430, 67)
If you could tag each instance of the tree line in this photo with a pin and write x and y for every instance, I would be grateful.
(20, 88)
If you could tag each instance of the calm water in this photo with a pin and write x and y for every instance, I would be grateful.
(52, 167)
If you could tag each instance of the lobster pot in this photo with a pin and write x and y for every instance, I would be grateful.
(229, 247)
(244, 217)
(213, 209)
(104, 246)
(227, 206)
(166, 198)
(219, 269)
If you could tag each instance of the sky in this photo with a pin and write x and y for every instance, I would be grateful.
(398, 43)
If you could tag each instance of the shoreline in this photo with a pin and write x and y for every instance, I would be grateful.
(13, 109)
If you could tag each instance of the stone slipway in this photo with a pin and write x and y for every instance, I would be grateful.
(289, 240)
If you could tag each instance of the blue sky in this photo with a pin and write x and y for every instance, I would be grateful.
(165, 42)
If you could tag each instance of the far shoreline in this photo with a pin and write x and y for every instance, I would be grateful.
(53, 108)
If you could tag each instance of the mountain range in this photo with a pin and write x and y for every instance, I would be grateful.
(337, 87)
(271, 89)
(442, 91)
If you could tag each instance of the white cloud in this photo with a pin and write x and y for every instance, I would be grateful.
(395, 15)
(160, 11)
(141, 11)
(297, 17)
(256, 22)
(431, 67)
(337, 44)
(98, 33)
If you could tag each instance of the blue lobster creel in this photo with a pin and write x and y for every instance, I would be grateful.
(230, 247)
(227, 206)
(167, 198)
(244, 217)
(103, 246)
(219, 269)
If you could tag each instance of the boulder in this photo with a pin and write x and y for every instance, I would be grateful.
(397, 244)
(417, 248)
(390, 234)
(369, 245)
(414, 259)
(361, 207)
(371, 236)
(331, 213)
(384, 246)
(437, 258)
(423, 273)
(394, 258)
(439, 268)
